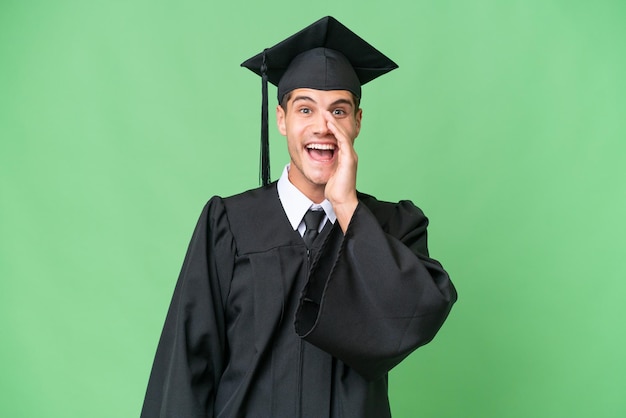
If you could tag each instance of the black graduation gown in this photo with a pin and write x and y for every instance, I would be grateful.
(259, 327)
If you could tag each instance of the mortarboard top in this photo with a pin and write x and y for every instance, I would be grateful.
(325, 55)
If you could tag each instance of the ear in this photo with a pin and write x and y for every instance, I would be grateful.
(280, 120)
(357, 119)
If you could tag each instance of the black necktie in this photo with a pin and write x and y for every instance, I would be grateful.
(312, 220)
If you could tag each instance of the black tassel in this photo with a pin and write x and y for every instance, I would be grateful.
(265, 142)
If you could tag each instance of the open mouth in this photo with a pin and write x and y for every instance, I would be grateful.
(321, 152)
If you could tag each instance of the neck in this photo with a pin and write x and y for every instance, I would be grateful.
(317, 195)
(315, 192)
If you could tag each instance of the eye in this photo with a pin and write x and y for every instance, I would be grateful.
(339, 112)
(304, 110)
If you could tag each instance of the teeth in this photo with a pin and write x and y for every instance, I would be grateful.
(321, 146)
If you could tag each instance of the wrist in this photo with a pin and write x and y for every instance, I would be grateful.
(344, 212)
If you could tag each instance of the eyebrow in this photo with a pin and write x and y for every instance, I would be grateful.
(342, 101)
(335, 103)
(305, 98)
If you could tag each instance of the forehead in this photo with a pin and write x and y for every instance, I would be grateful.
(322, 97)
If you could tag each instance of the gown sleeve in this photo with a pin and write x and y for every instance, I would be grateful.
(373, 294)
(190, 355)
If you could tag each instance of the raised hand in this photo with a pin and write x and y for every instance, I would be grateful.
(341, 186)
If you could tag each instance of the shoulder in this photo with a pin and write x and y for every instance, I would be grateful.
(387, 212)
(258, 202)
(242, 208)
(252, 196)
(241, 203)
(257, 220)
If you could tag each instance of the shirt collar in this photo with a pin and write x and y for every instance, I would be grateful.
(295, 203)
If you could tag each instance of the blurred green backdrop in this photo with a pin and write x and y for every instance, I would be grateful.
(505, 123)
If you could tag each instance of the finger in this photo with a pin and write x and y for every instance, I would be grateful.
(340, 135)
(329, 122)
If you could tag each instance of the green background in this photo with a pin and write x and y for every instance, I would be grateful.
(505, 123)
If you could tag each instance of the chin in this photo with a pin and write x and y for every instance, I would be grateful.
(319, 179)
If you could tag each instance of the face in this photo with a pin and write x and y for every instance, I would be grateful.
(312, 146)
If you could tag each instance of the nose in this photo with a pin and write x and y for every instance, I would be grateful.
(320, 126)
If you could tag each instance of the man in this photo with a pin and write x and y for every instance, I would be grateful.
(297, 298)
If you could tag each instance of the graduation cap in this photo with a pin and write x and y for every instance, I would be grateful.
(325, 55)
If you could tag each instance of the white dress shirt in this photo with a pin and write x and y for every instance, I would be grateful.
(296, 204)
